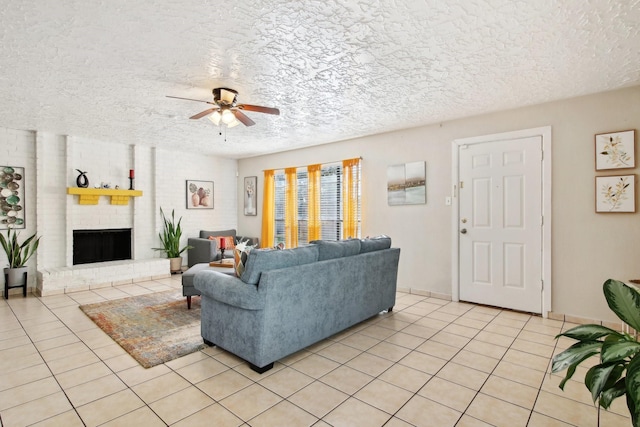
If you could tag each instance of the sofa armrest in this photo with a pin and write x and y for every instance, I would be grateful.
(202, 250)
(253, 241)
(228, 289)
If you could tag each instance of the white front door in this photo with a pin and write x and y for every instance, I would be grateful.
(500, 223)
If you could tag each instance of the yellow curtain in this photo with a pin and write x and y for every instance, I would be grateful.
(268, 210)
(315, 224)
(350, 196)
(291, 208)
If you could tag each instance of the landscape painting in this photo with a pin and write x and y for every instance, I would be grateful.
(407, 184)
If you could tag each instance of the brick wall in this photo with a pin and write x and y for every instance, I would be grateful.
(50, 163)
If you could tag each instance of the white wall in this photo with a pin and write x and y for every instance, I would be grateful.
(587, 248)
(173, 169)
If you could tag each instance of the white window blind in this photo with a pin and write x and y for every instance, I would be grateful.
(279, 195)
(330, 203)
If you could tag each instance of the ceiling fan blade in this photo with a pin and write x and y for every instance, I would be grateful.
(243, 118)
(189, 99)
(259, 109)
(204, 113)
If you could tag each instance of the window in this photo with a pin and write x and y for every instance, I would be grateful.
(331, 203)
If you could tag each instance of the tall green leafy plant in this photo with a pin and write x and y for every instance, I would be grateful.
(18, 253)
(170, 236)
(618, 352)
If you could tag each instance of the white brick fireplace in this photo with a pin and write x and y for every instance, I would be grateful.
(110, 166)
(50, 163)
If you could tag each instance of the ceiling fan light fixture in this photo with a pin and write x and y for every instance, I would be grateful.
(215, 118)
(234, 123)
(227, 117)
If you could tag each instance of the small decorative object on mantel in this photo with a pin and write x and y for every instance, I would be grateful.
(199, 194)
(131, 177)
(615, 150)
(82, 181)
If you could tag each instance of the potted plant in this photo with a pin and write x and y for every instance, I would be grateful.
(618, 351)
(17, 255)
(170, 238)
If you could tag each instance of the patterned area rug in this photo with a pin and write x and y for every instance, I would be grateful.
(153, 328)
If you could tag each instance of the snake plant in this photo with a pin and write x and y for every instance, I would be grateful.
(18, 253)
(618, 352)
(170, 236)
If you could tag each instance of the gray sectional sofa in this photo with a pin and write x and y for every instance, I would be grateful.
(289, 299)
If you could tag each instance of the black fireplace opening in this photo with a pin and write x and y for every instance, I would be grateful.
(112, 244)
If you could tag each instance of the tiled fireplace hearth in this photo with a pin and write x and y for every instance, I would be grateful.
(83, 277)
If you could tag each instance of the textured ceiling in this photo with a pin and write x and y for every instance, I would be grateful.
(336, 69)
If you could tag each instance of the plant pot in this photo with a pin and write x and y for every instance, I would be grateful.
(175, 264)
(15, 276)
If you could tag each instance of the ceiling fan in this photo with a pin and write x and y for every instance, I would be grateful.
(227, 110)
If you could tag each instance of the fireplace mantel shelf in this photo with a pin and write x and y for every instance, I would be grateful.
(90, 196)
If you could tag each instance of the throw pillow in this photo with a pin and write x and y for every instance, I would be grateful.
(240, 254)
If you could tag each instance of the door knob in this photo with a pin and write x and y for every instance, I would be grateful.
(463, 231)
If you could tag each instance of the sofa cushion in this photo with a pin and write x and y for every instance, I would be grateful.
(260, 260)
(328, 249)
(204, 234)
(375, 244)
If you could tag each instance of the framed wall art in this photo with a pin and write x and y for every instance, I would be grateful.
(199, 194)
(615, 150)
(250, 195)
(12, 197)
(407, 184)
(615, 193)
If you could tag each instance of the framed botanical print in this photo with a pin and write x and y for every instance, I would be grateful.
(616, 193)
(615, 150)
(250, 195)
(199, 194)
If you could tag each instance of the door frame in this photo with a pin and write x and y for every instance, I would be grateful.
(545, 133)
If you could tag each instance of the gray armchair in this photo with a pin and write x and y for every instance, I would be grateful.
(205, 250)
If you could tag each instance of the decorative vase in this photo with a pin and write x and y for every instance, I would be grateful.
(82, 181)
(195, 200)
(175, 264)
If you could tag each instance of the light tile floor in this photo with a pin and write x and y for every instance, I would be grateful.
(430, 362)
